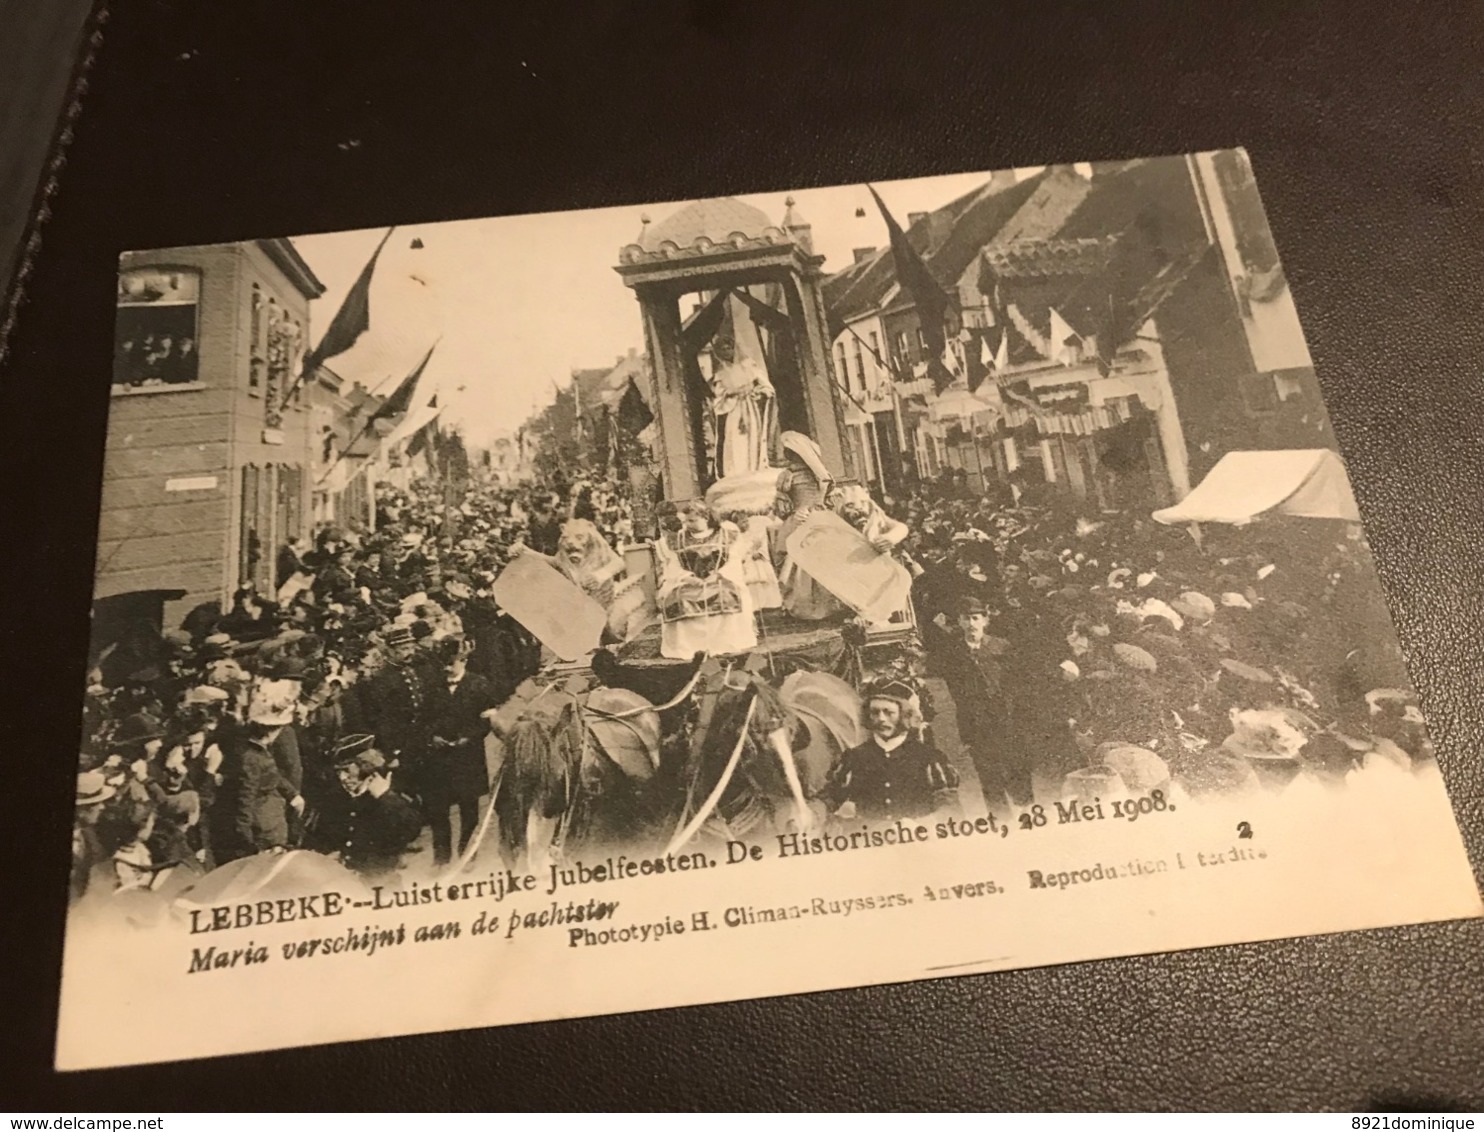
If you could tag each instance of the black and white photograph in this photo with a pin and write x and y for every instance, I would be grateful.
(586, 612)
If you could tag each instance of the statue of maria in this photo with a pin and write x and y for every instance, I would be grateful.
(742, 407)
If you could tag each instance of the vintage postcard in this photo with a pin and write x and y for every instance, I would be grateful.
(568, 614)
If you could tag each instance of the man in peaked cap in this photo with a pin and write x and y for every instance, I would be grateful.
(373, 825)
(391, 704)
(892, 774)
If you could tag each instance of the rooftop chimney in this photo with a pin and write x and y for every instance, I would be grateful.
(914, 217)
(863, 253)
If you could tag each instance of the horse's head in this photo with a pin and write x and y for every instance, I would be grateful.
(743, 753)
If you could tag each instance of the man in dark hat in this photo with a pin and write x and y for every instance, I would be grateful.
(970, 660)
(327, 545)
(892, 774)
(139, 734)
(545, 527)
(253, 617)
(453, 771)
(290, 562)
(214, 647)
(336, 580)
(407, 562)
(373, 826)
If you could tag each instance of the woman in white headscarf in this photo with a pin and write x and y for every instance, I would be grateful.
(803, 486)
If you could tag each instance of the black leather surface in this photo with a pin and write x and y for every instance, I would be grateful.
(40, 52)
(213, 122)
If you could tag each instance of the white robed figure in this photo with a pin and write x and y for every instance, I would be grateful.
(742, 403)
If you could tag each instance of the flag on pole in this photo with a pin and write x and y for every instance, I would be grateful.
(991, 361)
(395, 406)
(978, 372)
(421, 438)
(950, 361)
(401, 399)
(927, 295)
(633, 412)
(352, 319)
(1061, 336)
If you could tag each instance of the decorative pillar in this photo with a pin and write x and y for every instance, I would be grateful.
(826, 417)
(668, 393)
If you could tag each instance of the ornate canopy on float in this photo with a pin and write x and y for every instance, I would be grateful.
(724, 247)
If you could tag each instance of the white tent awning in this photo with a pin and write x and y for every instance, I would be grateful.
(1310, 483)
(957, 401)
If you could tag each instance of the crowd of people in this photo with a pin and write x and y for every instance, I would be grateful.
(284, 720)
(155, 359)
(1231, 655)
(348, 710)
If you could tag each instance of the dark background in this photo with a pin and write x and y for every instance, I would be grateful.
(41, 45)
(208, 122)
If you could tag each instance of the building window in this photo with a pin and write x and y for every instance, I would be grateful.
(249, 542)
(860, 366)
(904, 355)
(289, 520)
(875, 349)
(841, 367)
(156, 327)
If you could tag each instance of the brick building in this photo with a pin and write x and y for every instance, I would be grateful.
(1210, 357)
(207, 466)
